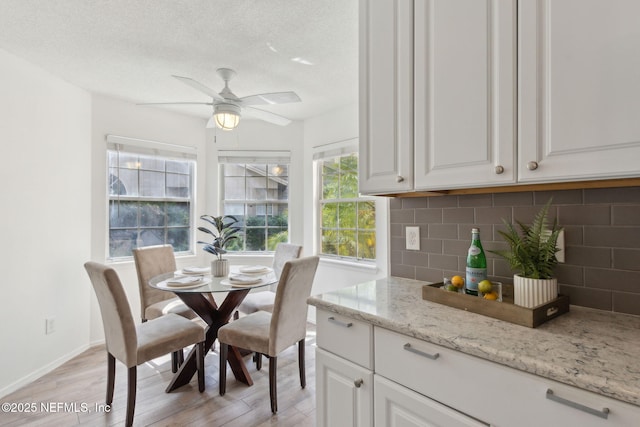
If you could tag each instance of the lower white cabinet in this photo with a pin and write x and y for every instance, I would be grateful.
(344, 392)
(396, 405)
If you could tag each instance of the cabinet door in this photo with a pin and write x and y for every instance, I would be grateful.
(344, 392)
(398, 406)
(465, 57)
(386, 96)
(579, 62)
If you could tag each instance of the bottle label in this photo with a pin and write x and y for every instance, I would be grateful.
(475, 276)
(474, 250)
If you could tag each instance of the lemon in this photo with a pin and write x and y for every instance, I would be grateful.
(457, 281)
(491, 296)
(451, 288)
(485, 286)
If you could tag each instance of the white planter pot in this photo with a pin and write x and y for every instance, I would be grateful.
(533, 292)
(220, 267)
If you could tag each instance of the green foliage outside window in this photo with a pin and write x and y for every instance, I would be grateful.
(347, 221)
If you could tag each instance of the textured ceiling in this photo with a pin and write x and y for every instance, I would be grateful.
(130, 48)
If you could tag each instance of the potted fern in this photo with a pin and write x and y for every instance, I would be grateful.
(532, 253)
(223, 232)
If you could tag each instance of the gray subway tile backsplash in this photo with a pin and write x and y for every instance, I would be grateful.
(602, 237)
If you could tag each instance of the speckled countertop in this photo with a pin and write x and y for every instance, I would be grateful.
(591, 349)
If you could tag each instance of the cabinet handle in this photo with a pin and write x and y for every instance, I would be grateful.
(400, 178)
(532, 165)
(604, 413)
(408, 347)
(338, 322)
(358, 382)
(499, 169)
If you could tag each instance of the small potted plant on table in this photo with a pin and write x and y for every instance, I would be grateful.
(223, 232)
(533, 255)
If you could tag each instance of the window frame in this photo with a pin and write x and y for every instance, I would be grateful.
(325, 155)
(268, 159)
(165, 152)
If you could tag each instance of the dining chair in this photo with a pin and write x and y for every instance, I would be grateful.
(152, 261)
(264, 300)
(271, 333)
(133, 344)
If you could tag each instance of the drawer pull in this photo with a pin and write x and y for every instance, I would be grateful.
(604, 413)
(338, 322)
(408, 347)
(358, 382)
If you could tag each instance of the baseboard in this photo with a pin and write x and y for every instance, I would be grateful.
(42, 371)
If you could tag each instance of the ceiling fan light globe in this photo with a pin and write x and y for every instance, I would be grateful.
(226, 121)
(226, 116)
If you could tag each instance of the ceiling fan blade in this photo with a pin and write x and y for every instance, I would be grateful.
(267, 116)
(200, 87)
(175, 103)
(270, 98)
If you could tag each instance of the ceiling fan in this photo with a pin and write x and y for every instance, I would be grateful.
(227, 107)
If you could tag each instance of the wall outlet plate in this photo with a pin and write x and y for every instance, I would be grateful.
(413, 238)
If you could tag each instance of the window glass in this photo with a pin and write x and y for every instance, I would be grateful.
(347, 221)
(150, 202)
(257, 194)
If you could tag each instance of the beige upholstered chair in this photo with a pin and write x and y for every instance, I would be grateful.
(271, 333)
(264, 300)
(151, 261)
(133, 345)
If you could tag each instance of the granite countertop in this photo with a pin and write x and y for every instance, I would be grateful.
(591, 349)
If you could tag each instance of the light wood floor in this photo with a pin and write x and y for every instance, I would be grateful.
(82, 380)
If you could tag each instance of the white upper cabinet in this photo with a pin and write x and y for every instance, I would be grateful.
(386, 96)
(465, 116)
(579, 98)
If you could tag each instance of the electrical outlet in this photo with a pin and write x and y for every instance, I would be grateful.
(413, 238)
(50, 325)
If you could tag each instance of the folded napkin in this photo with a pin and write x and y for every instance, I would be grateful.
(241, 279)
(254, 269)
(184, 281)
(196, 270)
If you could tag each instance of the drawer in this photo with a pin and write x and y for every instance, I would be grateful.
(489, 391)
(346, 337)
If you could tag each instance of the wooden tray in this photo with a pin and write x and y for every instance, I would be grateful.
(505, 310)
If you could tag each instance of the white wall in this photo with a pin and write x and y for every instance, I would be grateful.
(45, 221)
(336, 126)
(116, 117)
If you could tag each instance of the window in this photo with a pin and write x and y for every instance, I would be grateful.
(150, 198)
(255, 190)
(347, 221)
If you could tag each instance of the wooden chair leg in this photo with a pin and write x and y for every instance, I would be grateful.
(111, 377)
(303, 377)
(222, 379)
(200, 365)
(273, 393)
(258, 358)
(131, 395)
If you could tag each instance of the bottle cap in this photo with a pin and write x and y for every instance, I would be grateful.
(475, 230)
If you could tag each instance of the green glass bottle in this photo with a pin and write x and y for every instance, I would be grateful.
(476, 264)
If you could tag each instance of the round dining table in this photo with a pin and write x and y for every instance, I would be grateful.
(200, 296)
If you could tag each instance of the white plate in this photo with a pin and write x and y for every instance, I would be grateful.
(227, 282)
(195, 270)
(255, 269)
(187, 285)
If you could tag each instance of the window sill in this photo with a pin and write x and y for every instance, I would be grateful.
(354, 265)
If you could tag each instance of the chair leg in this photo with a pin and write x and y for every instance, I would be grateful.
(303, 377)
(174, 362)
(236, 315)
(131, 395)
(258, 358)
(111, 377)
(273, 365)
(200, 365)
(222, 379)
